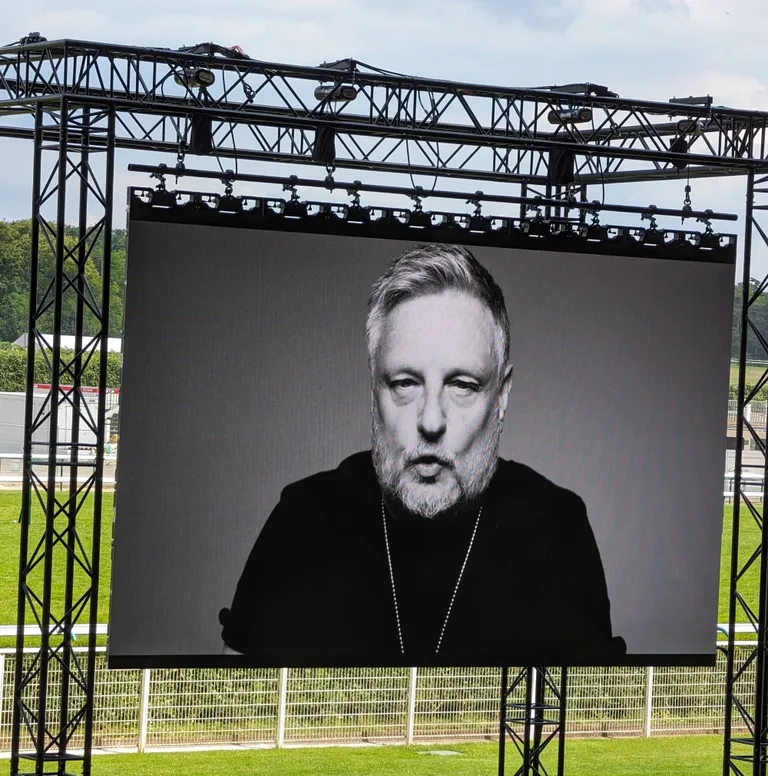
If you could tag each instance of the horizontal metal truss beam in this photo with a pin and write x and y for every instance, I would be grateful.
(396, 123)
(241, 154)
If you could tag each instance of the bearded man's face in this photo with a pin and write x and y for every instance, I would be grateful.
(439, 397)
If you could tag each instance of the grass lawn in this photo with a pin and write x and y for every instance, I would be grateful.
(749, 539)
(701, 755)
(10, 530)
(754, 373)
(10, 503)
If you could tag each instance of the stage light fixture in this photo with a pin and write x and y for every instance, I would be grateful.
(536, 227)
(653, 237)
(596, 233)
(623, 234)
(570, 116)
(358, 215)
(707, 241)
(418, 219)
(294, 208)
(229, 204)
(163, 198)
(195, 78)
(479, 224)
(449, 222)
(335, 93)
(197, 202)
(326, 212)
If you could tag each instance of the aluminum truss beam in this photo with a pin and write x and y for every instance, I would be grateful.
(396, 123)
(746, 717)
(533, 710)
(60, 540)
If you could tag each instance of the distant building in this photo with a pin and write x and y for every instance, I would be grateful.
(114, 344)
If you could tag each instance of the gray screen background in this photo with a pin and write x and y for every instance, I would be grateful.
(245, 369)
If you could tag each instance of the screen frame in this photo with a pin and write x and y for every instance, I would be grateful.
(391, 227)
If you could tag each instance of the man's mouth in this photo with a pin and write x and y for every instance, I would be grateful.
(428, 466)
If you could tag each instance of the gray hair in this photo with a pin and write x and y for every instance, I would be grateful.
(432, 269)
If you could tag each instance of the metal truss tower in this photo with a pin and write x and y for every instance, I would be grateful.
(79, 101)
(60, 541)
(746, 753)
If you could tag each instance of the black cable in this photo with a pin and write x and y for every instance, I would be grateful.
(437, 143)
(385, 72)
(382, 71)
(599, 163)
(234, 144)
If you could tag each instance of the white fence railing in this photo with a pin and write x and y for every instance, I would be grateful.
(140, 709)
(756, 412)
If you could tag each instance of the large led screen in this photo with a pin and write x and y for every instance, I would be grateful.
(304, 481)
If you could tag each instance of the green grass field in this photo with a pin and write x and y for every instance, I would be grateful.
(10, 531)
(10, 504)
(749, 540)
(754, 373)
(701, 755)
(593, 757)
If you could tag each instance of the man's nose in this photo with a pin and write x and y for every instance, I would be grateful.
(432, 416)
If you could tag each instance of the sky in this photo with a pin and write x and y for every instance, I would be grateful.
(641, 49)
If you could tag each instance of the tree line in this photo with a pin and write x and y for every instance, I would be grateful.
(15, 279)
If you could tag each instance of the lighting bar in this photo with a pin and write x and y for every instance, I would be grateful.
(474, 197)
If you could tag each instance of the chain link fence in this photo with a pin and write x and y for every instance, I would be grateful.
(136, 709)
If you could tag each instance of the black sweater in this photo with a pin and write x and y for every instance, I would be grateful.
(316, 589)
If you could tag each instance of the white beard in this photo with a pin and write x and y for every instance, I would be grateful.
(400, 482)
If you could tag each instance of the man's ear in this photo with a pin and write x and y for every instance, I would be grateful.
(506, 384)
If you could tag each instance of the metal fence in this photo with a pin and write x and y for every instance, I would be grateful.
(138, 709)
(756, 412)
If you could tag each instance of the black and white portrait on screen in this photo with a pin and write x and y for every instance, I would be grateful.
(429, 548)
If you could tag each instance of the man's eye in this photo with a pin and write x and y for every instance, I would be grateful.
(403, 384)
(464, 387)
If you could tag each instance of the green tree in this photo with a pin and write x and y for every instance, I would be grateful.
(758, 314)
(15, 277)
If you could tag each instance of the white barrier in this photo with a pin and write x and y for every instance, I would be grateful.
(150, 709)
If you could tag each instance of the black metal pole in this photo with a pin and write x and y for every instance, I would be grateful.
(761, 670)
(530, 680)
(503, 718)
(734, 570)
(76, 398)
(26, 499)
(562, 721)
(537, 718)
(106, 283)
